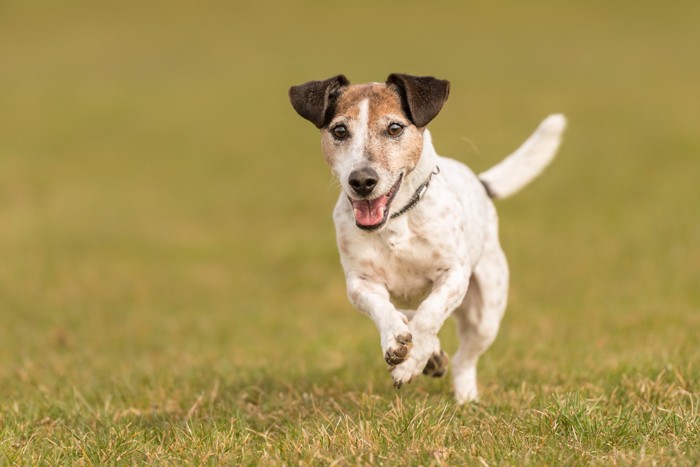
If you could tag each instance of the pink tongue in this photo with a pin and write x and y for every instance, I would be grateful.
(369, 212)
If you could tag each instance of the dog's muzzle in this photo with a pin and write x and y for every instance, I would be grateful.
(371, 214)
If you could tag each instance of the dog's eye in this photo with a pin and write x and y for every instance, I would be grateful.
(395, 129)
(340, 132)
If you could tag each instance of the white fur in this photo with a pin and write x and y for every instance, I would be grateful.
(361, 135)
(528, 161)
(442, 257)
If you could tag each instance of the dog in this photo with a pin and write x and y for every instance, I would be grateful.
(417, 233)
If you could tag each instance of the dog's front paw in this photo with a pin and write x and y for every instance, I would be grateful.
(423, 348)
(397, 350)
(404, 373)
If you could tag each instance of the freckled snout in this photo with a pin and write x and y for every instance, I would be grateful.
(363, 181)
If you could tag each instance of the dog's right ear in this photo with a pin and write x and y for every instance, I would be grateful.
(315, 100)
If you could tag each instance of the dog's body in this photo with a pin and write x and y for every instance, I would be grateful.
(417, 233)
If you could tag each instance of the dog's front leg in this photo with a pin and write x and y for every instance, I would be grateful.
(372, 298)
(448, 292)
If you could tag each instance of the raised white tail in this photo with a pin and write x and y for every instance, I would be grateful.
(527, 162)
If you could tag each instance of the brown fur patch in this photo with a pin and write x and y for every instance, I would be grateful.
(385, 108)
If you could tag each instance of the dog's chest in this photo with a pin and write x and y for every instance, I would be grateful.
(409, 261)
(410, 273)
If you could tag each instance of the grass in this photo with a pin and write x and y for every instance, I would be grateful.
(169, 286)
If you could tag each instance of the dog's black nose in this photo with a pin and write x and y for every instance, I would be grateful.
(363, 181)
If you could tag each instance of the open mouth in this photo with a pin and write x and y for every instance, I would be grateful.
(371, 214)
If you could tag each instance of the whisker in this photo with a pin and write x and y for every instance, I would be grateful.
(333, 183)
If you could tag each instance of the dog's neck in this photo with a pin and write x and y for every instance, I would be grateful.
(398, 232)
(414, 179)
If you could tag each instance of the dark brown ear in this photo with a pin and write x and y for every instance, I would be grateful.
(422, 96)
(315, 100)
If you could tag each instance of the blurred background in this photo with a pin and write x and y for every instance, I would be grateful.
(164, 211)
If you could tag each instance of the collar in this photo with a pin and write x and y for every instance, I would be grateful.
(417, 196)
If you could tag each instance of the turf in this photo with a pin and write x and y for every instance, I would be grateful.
(169, 286)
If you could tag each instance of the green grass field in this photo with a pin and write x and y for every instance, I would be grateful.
(169, 285)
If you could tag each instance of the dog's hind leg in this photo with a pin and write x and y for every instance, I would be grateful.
(478, 319)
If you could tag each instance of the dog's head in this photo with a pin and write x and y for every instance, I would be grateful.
(371, 134)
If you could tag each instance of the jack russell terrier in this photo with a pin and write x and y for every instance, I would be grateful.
(417, 232)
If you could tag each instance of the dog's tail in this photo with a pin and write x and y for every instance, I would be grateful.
(527, 162)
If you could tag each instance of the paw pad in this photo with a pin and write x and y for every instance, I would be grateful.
(437, 365)
(398, 353)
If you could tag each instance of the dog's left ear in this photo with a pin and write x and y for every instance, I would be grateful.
(315, 100)
(422, 96)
